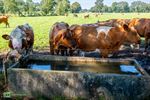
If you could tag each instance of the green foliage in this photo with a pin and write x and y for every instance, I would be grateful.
(76, 7)
(139, 6)
(1, 6)
(47, 6)
(120, 6)
(10, 6)
(62, 7)
(99, 5)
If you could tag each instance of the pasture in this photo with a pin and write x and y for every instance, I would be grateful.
(42, 25)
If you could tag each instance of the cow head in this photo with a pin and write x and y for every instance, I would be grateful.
(16, 38)
(64, 37)
(76, 30)
(131, 34)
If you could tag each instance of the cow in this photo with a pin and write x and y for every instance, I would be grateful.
(86, 16)
(75, 15)
(66, 14)
(114, 22)
(96, 15)
(58, 40)
(142, 25)
(4, 19)
(106, 39)
(21, 38)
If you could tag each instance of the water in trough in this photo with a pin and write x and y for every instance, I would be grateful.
(99, 67)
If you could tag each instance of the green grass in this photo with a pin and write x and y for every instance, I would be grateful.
(42, 25)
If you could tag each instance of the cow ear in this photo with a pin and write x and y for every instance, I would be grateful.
(6, 37)
(77, 29)
(60, 34)
(126, 27)
(65, 34)
(73, 27)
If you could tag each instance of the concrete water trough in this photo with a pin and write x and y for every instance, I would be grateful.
(46, 76)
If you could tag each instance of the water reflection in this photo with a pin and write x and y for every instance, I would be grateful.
(116, 67)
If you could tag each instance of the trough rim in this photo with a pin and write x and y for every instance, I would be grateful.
(81, 59)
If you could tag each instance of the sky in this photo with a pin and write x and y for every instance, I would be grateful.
(87, 4)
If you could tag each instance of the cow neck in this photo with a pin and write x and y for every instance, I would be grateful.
(124, 37)
(76, 38)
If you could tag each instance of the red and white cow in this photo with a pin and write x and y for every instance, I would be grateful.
(106, 39)
(142, 25)
(58, 39)
(21, 38)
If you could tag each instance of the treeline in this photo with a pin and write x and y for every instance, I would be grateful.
(121, 7)
(43, 8)
(63, 7)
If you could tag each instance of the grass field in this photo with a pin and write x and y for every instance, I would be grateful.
(42, 25)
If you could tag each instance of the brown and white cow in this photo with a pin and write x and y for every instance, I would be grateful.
(59, 39)
(142, 26)
(116, 22)
(4, 19)
(106, 39)
(21, 38)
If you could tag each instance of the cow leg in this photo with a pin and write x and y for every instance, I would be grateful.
(62, 52)
(146, 44)
(71, 52)
(104, 53)
(7, 24)
(51, 49)
(57, 52)
(78, 52)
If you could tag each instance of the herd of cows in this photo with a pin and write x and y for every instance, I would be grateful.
(105, 36)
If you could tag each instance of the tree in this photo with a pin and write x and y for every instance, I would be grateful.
(139, 6)
(105, 8)
(93, 9)
(99, 5)
(114, 6)
(29, 7)
(124, 6)
(12, 6)
(76, 7)
(120, 6)
(1, 6)
(62, 7)
(20, 7)
(47, 6)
